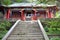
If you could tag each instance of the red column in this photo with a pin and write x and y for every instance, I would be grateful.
(8, 14)
(22, 15)
(34, 17)
(52, 14)
(49, 14)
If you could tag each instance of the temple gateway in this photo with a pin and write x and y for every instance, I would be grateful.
(24, 11)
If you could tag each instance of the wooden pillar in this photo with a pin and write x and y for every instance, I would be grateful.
(22, 15)
(34, 16)
(8, 14)
(49, 13)
(52, 14)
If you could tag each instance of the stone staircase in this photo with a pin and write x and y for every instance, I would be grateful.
(26, 31)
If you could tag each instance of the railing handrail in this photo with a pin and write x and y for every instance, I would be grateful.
(43, 31)
(8, 33)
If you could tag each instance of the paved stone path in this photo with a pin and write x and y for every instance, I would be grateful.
(26, 31)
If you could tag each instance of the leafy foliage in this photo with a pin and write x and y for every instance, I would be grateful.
(57, 14)
(55, 38)
(4, 25)
(46, 29)
(2, 33)
(6, 2)
(3, 28)
(46, 1)
(52, 26)
(19, 1)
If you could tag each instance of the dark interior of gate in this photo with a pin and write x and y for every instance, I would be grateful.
(41, 14)
(28, 14)
(15, 14)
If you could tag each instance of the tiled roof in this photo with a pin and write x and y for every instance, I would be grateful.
(28, 4)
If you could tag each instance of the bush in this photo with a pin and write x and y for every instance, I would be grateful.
(55, 38)
(4, 26)
(52, 26)
(2, 33)
(46, 29)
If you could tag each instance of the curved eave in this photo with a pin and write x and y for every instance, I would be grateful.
(28, 6)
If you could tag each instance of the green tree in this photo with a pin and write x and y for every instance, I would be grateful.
(46, 1)
(6, 2)
(19, 1)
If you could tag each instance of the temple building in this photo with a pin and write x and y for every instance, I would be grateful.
(30, 11)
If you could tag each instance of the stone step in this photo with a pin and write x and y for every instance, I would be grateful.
(26, 32)
(25, 35)
(25, 38)
(25, 29)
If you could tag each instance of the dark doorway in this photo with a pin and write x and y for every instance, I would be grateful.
(28, 15)
(15, 14)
